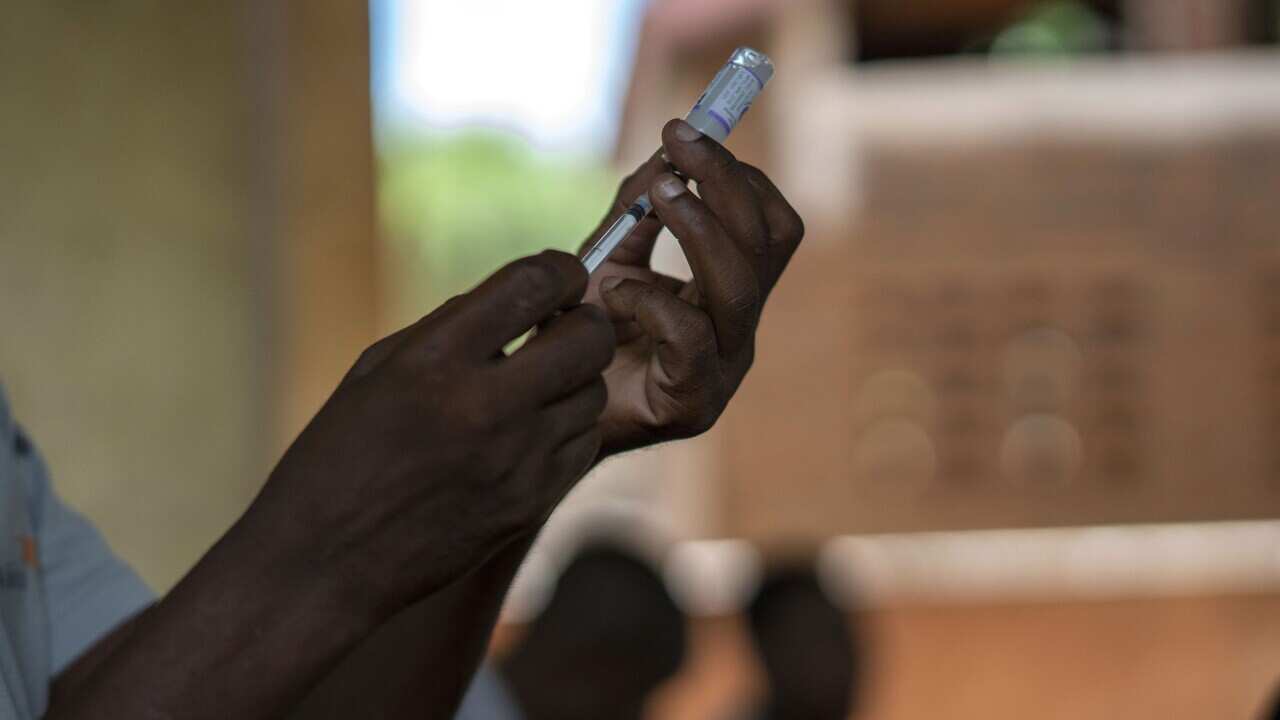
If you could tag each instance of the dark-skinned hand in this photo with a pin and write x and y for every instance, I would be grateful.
(684, 347)
(438, 448)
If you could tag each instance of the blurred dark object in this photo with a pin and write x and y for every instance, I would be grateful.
(888, 29)
(809, 649)
(1263, 22)
(610, 635)
(1273, 710)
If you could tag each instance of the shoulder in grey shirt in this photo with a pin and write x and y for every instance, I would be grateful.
(61, 588)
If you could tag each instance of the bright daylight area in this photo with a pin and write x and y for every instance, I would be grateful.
(491, 149)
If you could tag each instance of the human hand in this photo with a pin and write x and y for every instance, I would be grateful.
(438, 448)
(684, 347)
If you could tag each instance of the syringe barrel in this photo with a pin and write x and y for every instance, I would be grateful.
(731, 93)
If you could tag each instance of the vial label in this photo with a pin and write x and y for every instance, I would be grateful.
(720, 110)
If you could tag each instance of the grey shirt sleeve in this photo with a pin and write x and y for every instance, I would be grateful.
(488, 698)
(88, 591)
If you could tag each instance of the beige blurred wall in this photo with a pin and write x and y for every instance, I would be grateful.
(126, 310)
(184, 265)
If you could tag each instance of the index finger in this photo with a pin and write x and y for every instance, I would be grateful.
(517, 297)
(724, 186)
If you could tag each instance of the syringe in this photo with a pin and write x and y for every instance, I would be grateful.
(716, 114)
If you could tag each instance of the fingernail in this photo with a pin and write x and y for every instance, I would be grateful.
(669, 188)
(686, 132)
(610, 283)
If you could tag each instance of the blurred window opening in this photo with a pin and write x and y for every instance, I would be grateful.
(1058, 28)
(893, 31)
(896, 30)
(494, 122)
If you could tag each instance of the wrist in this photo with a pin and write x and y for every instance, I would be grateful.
(246, 633)
(281, 563)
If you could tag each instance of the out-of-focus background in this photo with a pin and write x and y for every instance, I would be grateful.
(1018, 396)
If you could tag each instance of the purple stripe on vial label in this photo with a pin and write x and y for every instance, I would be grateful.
(753, 74)
(724, 123)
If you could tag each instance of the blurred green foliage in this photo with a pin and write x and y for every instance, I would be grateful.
(1056, 28)
(456, 206)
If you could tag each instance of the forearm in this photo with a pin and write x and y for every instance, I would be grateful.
(419, 664)
(246, 634)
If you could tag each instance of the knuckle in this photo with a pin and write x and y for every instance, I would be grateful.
(701, 225)
(535, 279)
(792, 226)
(723, 164)
(429, 350)
(448, 305)
(757, 245)
(702, 419)
(705, 331)
(627, 182)
(692, 325)
(414, 356)
(744, 303)
(370, 358)
(628, 188)
(758, 178)
(433, 350)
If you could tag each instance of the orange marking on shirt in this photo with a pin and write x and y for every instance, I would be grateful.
(29, 555)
